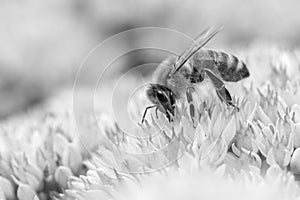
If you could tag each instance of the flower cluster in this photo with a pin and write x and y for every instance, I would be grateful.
(259, 145)
(39, 155)
(253, 152)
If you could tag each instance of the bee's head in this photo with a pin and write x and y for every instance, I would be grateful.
(163, 70)
(163, 97)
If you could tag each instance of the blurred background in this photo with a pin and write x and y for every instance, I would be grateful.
(43, 43)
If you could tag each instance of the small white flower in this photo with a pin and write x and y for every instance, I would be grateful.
(295, 162)
(25, 192)
(8, 189)
(61, 176)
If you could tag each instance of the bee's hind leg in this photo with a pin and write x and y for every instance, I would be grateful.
(225, 96)
(221, 90)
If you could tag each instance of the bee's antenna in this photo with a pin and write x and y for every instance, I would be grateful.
(208, 38)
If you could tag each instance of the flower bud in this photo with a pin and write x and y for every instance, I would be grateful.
(25, 192)
(62, 175)
(35, 171)
(60, 143)
(2, 196)
(33, 181)
(7, 187)
(263, 116)
(72, 158)
(297, 135)
(295, 162)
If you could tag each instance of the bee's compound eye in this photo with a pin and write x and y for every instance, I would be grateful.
(172, 98)
(161, 97)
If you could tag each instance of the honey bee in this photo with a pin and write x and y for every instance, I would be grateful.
(176, 77)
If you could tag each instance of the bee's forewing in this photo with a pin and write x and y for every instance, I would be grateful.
(194, 43)
(201, 40)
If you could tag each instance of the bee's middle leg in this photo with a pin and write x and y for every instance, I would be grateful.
(156, 114)
(189, 97)
(221, 90)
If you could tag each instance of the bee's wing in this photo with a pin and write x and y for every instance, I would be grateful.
(203, 38)
(194, 43)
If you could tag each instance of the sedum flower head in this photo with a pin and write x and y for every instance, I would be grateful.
(250, 152)
(211, 152)
(39, 155)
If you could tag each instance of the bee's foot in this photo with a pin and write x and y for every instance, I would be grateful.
(170, 119)
(156, 114)
(236, 108)
(142, 122)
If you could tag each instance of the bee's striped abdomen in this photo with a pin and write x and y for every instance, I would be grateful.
(230, 67)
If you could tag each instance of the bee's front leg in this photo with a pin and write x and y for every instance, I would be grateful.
(221, 90)
(145, 112)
